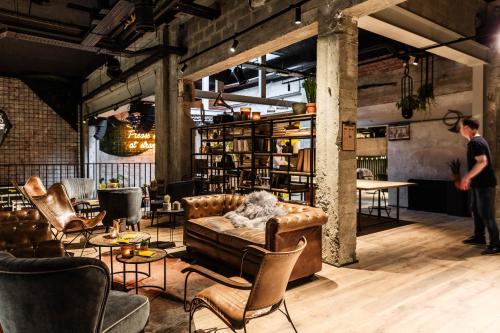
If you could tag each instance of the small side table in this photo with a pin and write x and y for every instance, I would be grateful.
(138, 260)
(104, 240)
(172, 214)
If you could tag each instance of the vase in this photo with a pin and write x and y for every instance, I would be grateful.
(311, 107)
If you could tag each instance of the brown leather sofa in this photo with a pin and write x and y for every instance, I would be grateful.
(208, 232)
(26, 234)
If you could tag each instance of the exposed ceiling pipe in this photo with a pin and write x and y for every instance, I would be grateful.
(268, 68)
(92, 49)
(116, 15)
(243, 99)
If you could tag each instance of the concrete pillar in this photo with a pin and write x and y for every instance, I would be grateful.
(478, 94)
(173, 119)
(492, 114)
(337, 74)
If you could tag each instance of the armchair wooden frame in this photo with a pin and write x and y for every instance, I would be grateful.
(262, 298)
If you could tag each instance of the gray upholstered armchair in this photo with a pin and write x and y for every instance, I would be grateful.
(121, 203)
(79, 188)
(60, 295)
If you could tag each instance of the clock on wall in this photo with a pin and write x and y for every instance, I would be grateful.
(5, 126)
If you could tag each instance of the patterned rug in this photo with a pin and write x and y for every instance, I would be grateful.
(167, 312)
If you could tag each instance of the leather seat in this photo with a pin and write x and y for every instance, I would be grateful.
(210, 227)
(239, 238)
(207, 231)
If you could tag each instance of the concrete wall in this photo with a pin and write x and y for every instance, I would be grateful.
(371, 147)
(463, 13)
(424, 156)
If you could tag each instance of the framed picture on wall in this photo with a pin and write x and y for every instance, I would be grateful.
(398, 132)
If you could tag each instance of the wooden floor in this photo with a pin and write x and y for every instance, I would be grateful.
(414, 278)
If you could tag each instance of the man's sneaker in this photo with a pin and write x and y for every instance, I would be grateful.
(474, 240)
(491, 249)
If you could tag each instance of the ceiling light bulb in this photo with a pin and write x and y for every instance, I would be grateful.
(298, 15)
(234, 46)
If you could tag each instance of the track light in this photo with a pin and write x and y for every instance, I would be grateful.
(414, 60)
(298, 15)
(184, 67)
(234, 46)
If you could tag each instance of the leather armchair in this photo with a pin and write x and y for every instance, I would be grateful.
(208, 232)
(55, 206)
(25, 234)
(235, 300)
(60, 295)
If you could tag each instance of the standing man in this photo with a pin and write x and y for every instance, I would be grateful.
(481, 181)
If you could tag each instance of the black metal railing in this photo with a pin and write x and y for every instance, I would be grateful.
(128, 174)
(377, 165)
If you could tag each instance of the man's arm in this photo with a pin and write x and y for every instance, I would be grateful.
(481, 163)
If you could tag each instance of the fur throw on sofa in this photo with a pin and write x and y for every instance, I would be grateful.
(258, 208)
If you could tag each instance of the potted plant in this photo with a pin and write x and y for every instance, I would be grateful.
(144, 245)
(102, 183)
(310, 88)
(408, 105)
(425, 95)
(114, 183)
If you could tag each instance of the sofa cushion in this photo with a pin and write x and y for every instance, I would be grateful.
(209, 227)
(238, 238)
(125, 313)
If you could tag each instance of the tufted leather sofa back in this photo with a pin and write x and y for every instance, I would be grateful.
(21, 231)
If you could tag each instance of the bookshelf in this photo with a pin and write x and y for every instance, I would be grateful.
(275, 153)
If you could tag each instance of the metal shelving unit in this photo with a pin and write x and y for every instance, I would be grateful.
(213, 173)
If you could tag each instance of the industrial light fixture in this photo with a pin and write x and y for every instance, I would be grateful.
(298, 15)
(219, 101)
(234, 46)
(113, 69)
(184, 67)
(144, 17)
(240, 75)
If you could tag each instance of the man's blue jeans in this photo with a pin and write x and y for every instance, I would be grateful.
(483, 210)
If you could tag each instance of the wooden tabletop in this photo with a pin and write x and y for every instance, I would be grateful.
(364, 184)
(159, 254)
(105, 240)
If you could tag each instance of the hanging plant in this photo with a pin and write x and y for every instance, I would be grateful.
(426, 91)
(408, 101)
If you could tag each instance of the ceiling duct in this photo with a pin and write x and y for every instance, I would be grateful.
(144, 17)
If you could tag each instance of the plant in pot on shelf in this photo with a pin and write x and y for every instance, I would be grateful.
(310, 88)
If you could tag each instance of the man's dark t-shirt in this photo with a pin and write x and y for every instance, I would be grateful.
(486, 178)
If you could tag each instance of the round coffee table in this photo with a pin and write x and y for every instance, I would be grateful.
(172, 214)
(105, 240)
(137, 260)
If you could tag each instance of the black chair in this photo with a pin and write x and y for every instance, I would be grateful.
(121, 203)
(177, 191)
(60, 295)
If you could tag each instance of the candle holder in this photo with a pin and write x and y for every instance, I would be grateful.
(127, 251)
(245, 113)
(255, 115)
(177, 205)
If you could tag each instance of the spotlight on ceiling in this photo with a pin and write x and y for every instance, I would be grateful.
(298, 15)
(184, 67)
(240, 75)
(414, 60)
(113, 68)
(144, 17)
(234, 46)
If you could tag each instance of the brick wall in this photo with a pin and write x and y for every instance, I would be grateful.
(38, 135)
